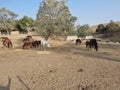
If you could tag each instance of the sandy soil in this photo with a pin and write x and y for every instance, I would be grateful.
(63, 67)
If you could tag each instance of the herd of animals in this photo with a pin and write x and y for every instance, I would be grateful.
(29, 42)
(92, 43)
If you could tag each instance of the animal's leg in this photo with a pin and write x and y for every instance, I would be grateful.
(41, 48)
(96, 47)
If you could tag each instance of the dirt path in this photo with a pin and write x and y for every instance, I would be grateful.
(63, 67)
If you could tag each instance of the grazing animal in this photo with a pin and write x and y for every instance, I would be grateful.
(36, 43)
(3, 38)
(27, 44)
(44, 44)
(78, 41)
(6, 42)
(88, 45)
(28, 38)
(92, 44)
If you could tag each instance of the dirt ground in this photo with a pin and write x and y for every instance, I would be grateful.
(63, 67)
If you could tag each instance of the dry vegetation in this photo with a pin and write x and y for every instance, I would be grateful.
(115, 36)
(63, 67)
(95, 26)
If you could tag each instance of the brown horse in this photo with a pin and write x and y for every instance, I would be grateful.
(7, 43)
(27, 44)
(92, 44)
(28, 38)
(3, 38)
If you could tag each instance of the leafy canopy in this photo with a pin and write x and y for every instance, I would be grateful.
(54, 18)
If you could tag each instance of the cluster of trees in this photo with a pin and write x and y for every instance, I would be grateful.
(9, 22)
(84, 30)
(53, 19)
(107, 29)
(25, 24)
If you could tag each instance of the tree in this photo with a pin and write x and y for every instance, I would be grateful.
(25, 24)
(7, 20)
(54, 18)
(112, 26)
(101, 29)
(84, 30)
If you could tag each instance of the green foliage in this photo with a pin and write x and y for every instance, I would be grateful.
(25, 23)
(84, 30)
(7, 19)
(101, 29)
(112, 26)
(109, 28)
(7, 14)
(54, 18)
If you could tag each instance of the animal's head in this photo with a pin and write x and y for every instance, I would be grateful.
(48, 45)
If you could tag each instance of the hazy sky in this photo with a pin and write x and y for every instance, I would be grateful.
(90, 12)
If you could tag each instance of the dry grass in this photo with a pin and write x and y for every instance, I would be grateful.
(63, 67)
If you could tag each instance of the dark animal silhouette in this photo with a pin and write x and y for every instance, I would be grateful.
(26, 39)
(29, 36)
(8, 85)
(36, 43)
(92, 44)
(78, 41)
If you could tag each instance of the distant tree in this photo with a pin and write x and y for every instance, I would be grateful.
(54, 18)
(84, 30)
(25, 24)
(7, 20)
(101, 29)
(112, 26)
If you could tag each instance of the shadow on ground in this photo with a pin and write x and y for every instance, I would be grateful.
(81, 50)
(7, 87)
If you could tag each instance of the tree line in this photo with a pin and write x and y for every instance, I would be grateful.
(9, 22)
(108, 28)
(52, 19)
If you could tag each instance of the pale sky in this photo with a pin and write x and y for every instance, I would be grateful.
(90, 12)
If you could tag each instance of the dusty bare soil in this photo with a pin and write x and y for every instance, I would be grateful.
(63, 67)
